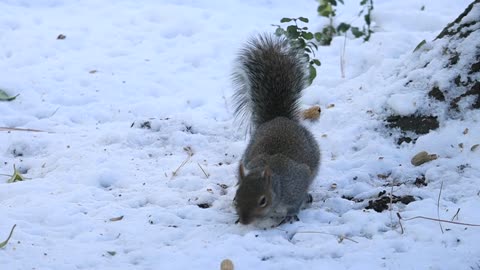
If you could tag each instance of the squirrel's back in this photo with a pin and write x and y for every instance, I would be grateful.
(282, 136)
(269, 80)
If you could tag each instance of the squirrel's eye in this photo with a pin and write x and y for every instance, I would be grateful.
(262, 202)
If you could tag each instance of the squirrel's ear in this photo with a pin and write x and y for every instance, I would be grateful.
(267, 175)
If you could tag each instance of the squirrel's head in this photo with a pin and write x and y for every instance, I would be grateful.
(254, 194)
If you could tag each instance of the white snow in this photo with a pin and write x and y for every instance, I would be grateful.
(123, 63)
(404, 104)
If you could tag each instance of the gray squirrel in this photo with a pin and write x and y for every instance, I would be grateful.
(282, 156)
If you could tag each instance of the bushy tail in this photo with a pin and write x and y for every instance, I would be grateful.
(269, 80)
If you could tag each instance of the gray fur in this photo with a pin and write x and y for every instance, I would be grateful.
(269, 80)
(282, 157)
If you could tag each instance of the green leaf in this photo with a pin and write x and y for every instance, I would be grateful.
(5, 97)
(363, 2)
(328, 30)
(4, 243)
(301, 43)
(303, 19)
(16, 177)
(279, 31)
(343, 27)
(318, 36)
(292, 32)
(325, 10)
(112, 253)
(341, 1)
(356, 32)
(307, 35)
(284, 20)
(313, 74)
(308, 50)
(367, 18)
(304, 28)
(316, 62)
(423, 42)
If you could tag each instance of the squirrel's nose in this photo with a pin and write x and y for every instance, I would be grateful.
(245, 219)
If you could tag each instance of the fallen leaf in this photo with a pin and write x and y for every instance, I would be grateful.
(226, 265)
(5, 97)
(4, 243)
(116, 218)
(16, 177)
(422, 157)
(312, 113)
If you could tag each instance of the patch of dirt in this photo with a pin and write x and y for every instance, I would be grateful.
(421, 181)
(437, 94)
(475, 90)
(383, 202)
(419, 124)
(204, 205)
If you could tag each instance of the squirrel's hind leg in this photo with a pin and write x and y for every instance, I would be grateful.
(292, 218)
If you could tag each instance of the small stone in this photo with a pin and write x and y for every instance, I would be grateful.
(422, 157)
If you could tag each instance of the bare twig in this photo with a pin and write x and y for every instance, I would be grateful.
(20, 129)
(390, 205)
(342, 57)
(441, 220)
(438, 206)
(56, 110)
(456, 214)
(206, 174)
(190, 154)
(340, 237)
(400, 222)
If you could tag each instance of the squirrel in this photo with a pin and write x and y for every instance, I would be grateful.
(282, 156)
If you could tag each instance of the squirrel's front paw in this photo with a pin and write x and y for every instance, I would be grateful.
(290, 219)
(309, 199)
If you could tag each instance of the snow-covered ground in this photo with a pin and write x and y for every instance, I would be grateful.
(123, 63)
